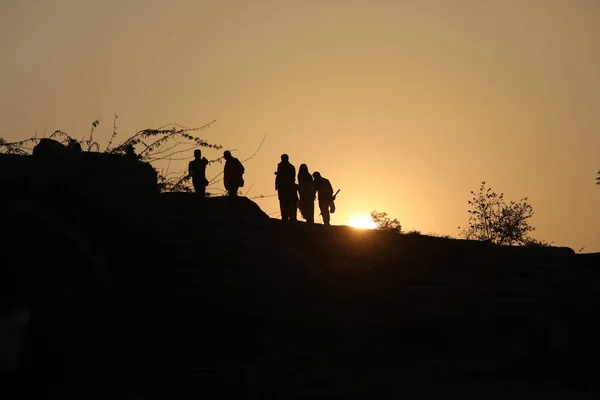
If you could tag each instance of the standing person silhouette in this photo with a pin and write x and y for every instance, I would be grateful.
(325, 190)
(306, 189)
(197, 170)
(285, 184)
(233, 174)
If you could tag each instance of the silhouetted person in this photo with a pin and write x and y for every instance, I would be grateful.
(325, 190)
(197, 170)
(130, 152)
(285, 184)
(306, 189)
(232, 174)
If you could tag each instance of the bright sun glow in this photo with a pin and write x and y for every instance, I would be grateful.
(362, 222)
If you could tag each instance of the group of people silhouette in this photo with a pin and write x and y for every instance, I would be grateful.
(292, 196)
(233, 173)
(302, 195)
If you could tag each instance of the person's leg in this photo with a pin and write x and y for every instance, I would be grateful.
(294, 209)
(282, 209)
(199, 187)
(324, 212)
(286, 209)
(281, 205)
(301, 208)
(310, 212)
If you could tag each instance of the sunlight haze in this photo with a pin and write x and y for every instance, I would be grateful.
(362, 222)
(405, 106)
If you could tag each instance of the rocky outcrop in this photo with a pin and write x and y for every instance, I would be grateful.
(210, 208)
(57, 172)
(52, 148)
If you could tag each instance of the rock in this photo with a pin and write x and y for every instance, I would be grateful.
(214, 208)
(50, 148)
(56, 173)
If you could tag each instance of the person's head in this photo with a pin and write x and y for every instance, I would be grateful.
(227, 155)
(317, 175)
(129, 149)
(303, 169)
(285, 158)
(197, 154)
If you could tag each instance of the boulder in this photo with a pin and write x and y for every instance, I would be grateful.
(57, 172)
(50, 148)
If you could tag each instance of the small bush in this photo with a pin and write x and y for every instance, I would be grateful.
(493, 220)
(385, 223)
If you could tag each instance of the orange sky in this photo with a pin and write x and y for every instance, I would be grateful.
(405, 106)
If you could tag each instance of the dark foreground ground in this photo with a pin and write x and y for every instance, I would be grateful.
(177, 299)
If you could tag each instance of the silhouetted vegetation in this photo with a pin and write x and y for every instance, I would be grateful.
(440, 235)
(598, 179)
(166, 143)
(494, 220)
(20, 147)
(385, 223)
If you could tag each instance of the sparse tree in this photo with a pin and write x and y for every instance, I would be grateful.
(493, 220)
(385, 223)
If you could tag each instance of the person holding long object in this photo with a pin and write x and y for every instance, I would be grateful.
(326, 197)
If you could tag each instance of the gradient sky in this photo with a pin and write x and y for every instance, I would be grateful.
(405, 106)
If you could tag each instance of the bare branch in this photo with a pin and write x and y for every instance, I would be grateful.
(213, 180)
(168, 156)
(262, 196)
(257, 150)
(114, 133)
(247, 191)
(90, 141)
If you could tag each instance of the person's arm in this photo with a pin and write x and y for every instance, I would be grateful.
(190, 168)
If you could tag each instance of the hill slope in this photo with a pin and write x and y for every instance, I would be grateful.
(212, 298)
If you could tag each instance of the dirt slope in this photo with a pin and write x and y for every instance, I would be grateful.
(214, 299)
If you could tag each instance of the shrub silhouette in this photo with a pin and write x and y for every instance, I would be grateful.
(493, 220)
(598, 179)
(385, 223)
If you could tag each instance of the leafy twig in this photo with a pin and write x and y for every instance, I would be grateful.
(114, 133)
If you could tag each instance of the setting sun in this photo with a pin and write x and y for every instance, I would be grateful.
(362, 222)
